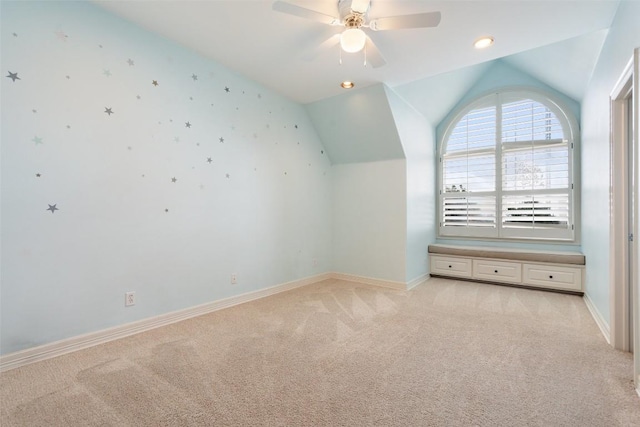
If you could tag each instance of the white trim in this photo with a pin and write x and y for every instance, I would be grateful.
(620, 204)
(418, 281)
(400, 286)
(65, 346)
(599, 319)
(636, 285)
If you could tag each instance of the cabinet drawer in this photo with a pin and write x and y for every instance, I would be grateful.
(497, 271)
(460, 267)
(552, 277)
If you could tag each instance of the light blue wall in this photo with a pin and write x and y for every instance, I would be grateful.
(418, 141)
(384, 217)
(370, 219)
(369, 183)
(261, 208)
(623, 37)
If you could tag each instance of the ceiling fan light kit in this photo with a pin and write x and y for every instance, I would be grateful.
(352, 40)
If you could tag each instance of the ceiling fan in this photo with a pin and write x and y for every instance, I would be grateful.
(354, 17)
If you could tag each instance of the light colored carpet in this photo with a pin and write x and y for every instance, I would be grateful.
(447, 353)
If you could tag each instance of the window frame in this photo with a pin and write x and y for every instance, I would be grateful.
(569, 124)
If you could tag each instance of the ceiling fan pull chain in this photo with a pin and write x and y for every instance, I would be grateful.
(365, 56)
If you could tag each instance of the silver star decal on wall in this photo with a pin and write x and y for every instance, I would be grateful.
(174, 179)
(209, 160)
(155, 83)
(221, 139)
(38, 175)
(52, 208)
(109, 111)
(228, 176)
(37, 140)
(187, 124)
(106, 73)
(194, 77)
(226, 89)
(13, 76)
(130, 62)
(61, 35)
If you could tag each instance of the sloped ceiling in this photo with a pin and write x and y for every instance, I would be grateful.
(565, 66)
(435, 96)
(357, 126)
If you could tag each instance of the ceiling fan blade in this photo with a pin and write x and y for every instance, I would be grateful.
(360, 6)
(303, 12)
(374, 57)
(312, 53)
(419, 20)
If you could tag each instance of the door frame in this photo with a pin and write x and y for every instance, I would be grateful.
(620, 205)
(621, 285)
(635, 126)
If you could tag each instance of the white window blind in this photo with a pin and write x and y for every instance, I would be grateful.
(506, 171)
(469, 167)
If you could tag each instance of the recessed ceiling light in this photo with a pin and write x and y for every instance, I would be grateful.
(483, 42)
(347, 84)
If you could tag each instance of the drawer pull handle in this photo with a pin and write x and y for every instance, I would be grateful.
(550, 277)
(495, 271)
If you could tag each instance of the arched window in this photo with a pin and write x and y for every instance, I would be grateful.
(506, 169)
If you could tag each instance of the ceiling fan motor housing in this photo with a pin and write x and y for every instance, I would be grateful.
(349, 17)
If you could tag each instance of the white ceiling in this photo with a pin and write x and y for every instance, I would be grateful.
(266, 46)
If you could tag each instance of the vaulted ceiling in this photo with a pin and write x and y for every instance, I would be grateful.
(556, 41)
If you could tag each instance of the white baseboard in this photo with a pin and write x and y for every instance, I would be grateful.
(418, 281)
(401, 286)
(59, 348)
(79, 342)
(600, 321)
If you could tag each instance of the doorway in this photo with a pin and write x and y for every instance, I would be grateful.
(624, 295)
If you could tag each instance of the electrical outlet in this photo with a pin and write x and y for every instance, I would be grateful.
(234, 278)
(129, 299)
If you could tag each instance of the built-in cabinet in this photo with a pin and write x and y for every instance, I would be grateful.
(541, 275)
